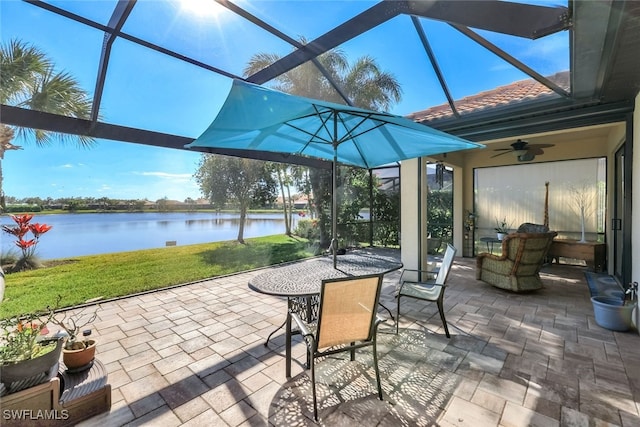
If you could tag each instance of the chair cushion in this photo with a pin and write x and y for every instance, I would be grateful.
(528, 227)
(421, 290)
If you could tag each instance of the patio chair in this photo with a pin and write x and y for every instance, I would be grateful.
(422, 285)
(517, 269)
(347, 320)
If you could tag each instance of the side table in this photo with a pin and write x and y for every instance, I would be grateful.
(490, 241)
(64, 400)
(85, 394)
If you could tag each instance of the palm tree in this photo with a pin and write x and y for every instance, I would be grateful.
(28, 80)
(364, 83)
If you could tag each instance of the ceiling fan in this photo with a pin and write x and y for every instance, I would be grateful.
(523, 151)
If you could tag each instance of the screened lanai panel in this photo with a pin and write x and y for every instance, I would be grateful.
(97, 11)
(72, 47)
(462, 61)
(399, 52)
(204, 31)
(309, 19)
(516, 194)
(149, 90)
(546, 55)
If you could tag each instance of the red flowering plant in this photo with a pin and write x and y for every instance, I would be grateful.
(27, 246)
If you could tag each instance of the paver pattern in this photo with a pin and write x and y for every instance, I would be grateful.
(195, 356)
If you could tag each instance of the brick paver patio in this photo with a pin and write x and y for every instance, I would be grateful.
(194, 356)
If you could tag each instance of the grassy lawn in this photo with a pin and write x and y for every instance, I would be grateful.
(124, 273)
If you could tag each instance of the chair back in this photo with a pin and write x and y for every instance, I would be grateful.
(528, 251)
(447, 261)
(347, 310)
(528, 227)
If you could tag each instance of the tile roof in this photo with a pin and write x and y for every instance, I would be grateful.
(508, 95)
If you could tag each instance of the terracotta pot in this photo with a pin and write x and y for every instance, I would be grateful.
(76, 359)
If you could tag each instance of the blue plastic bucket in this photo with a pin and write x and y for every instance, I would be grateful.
(611, 313)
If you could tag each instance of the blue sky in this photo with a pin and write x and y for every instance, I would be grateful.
(148, 90)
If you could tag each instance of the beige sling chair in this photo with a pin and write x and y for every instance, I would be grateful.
(347, 320)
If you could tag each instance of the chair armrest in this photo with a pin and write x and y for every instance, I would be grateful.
(487, 255)
(304, 329)
(432, 273)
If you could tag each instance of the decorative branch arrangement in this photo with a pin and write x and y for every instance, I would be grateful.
(583, 201)
(72, 325)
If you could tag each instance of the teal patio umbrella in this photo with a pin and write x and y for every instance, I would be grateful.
(256, 118)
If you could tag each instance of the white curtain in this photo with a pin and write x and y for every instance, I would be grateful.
(517, 193)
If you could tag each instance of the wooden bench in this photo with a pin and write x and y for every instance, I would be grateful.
(593, 253)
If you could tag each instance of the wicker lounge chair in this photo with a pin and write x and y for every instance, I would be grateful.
(528, 227)
(518, 267)
(420, 284)
(347, 320)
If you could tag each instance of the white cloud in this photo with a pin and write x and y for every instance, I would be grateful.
(552, 49)
(71, 166)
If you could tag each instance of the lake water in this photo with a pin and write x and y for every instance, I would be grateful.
(97, 233)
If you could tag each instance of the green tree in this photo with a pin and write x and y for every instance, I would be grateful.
(231, 180)
(363, 82)
(28, 79)
(440, 214)
(284, 182)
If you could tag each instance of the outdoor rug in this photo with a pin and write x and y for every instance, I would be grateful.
(603, 285)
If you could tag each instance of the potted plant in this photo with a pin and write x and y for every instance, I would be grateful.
(79, 350)
(27, 356)
(502, 228)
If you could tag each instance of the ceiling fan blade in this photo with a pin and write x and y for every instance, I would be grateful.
(540, 145)
(500, 154)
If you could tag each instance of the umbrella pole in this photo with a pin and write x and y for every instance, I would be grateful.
(334, 207)
(334, 194)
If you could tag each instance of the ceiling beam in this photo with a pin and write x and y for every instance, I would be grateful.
(592, 45)
(545, 117)
(516, 19)
(14, 116)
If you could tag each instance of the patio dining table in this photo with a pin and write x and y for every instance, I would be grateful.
(300, 282)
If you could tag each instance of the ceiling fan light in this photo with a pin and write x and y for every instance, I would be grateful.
(519, 153)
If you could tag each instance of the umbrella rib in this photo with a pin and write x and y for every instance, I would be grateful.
(323, 124)
(316, 133)
(352, 135)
